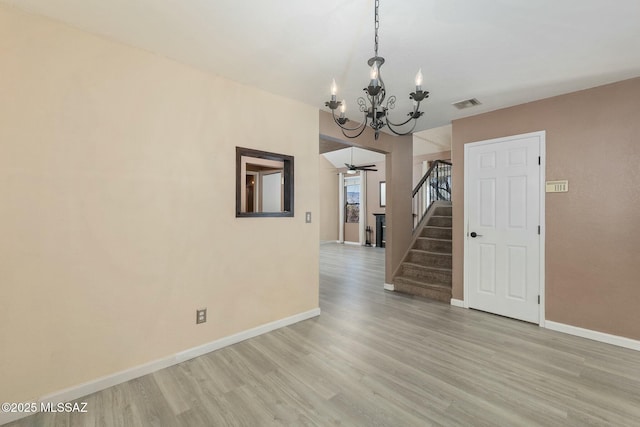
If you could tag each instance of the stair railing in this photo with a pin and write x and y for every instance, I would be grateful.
(434, 185)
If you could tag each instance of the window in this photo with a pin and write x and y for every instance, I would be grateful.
(352, 200)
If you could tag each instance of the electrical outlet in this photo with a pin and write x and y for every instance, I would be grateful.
(201, 315)
(307, 217)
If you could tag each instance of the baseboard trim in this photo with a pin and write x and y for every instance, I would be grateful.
(245, 335)
(389, 287)
(457, 303)
(594, 335)
(78, 391)
(328, 242)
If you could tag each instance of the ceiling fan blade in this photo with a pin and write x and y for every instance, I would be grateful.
(372, 170)
(367, 166)
(349, 166)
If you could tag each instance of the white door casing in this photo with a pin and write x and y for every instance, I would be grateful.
(504, 207)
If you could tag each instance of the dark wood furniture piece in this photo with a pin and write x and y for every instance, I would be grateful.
(381, 229)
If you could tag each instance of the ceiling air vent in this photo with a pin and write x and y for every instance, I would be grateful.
(467, 103)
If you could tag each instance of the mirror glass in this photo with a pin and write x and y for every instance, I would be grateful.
(264, 183)
(383, 194)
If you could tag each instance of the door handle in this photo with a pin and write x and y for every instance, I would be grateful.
(474, 234)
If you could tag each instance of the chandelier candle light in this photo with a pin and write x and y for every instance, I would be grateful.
(374, 111)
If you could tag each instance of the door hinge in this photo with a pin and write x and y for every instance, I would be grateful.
(539, 160)
(538, 299)
(538, 229)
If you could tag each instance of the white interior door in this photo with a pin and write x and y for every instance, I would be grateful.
(503, 216)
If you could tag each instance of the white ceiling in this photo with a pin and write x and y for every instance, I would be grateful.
(503, 52)
(434, 140)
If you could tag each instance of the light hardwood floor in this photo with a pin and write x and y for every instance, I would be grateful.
(375, 358)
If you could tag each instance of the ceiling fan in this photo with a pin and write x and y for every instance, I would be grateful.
(352, 169)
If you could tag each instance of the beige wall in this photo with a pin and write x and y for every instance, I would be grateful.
(352, 232)
(328, 200)
(593, 231)
(117, 215)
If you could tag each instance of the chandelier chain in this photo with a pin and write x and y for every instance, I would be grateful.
(376, 25)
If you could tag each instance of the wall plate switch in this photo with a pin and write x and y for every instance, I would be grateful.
(201, 315)
(307, 217)
(557, 186)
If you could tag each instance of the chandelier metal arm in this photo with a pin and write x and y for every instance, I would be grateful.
(390, 126)
(363, 105)
(412, 116)
(390, 123)
(340, 121)
(362, 128)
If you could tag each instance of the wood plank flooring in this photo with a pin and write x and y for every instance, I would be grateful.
(376, 358)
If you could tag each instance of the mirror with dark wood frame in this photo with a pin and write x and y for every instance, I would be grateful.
(264, 184)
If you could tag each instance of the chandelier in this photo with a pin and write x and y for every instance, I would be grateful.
(374, 108)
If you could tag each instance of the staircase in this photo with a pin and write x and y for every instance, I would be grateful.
(426, 269)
